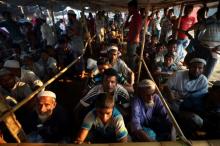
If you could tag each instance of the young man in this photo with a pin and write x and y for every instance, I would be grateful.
(134, 32)
(103, 124)
(166, 69)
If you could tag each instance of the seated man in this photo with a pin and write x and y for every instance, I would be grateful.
(166, 69)
(120, 66)
(187, 84)
(23, 75)
(13, 91)
(109, 85)
(150, 121)
(49, 64)
(48, 123)
(103, 124)
(103, 64)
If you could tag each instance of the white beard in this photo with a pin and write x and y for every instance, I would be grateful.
(149, 104)
(43, 118)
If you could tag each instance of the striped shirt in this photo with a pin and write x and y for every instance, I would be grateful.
(120, 94)
(114, 129)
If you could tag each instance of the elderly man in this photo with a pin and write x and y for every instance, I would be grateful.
(187, 84)
(13, 91)
(150, 121)
(23, 75)
(48, 123)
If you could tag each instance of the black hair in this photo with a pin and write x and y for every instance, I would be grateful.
(110, 72)
(168, 55)
(133, 3)
(188, 9)
(104, 100)
(102, 61)
(172, 42)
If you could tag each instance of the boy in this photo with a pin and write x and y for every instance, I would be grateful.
(104, 124)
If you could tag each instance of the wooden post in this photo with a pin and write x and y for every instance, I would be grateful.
(142, 45)
(179, 20)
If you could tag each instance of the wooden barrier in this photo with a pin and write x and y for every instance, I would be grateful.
(167, 143)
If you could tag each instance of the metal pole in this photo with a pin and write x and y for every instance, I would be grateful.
(20, 104)
(183, 138)
(143, 44)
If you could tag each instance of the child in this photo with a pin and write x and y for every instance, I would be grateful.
(104, 124)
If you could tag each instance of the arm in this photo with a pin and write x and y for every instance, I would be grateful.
(81, 136)
(141, 136)
(126, 22)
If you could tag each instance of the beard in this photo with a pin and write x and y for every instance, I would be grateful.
(149, 104)
(43, 117)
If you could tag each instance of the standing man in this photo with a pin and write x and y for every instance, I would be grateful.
(134, 32)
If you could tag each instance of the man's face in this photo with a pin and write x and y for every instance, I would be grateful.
(109, 83)
(7, 81)
(168, 61)
(196, 69)
(45, 106)
(172, 48)
(147, 94)
(104, 114)
(113, 56)
(44, 56)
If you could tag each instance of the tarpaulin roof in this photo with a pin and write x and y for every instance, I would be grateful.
(58, 5)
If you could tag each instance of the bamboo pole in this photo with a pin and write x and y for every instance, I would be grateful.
(179, 131)
(179, 20)
(24, 101)
(143, 43)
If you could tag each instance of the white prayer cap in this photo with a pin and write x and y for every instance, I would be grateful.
(11, 64)
(47, 93)
(112, 48)
(198, 60)
(4, 72)
(147, 83)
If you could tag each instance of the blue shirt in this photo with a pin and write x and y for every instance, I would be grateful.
(143, 116)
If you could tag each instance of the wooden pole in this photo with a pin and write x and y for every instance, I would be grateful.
(143, 44)
(177, 127)
(179, 20)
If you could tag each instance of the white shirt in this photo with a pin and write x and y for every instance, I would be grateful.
(30, 78)
(121, 67)
(47, 34)
(182, 86)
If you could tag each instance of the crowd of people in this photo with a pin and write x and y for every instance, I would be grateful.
(113, 107)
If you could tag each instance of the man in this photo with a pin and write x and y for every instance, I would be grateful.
(109, 85)
(13, 91)
(134, 32)
(186, 22)
(23, 75)
(48, 122)
(119, 65)
(103, 124)
(166, 25)
(149, 121)
(187, 84)
(166, 69)
(210, 40)
(49, 64)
